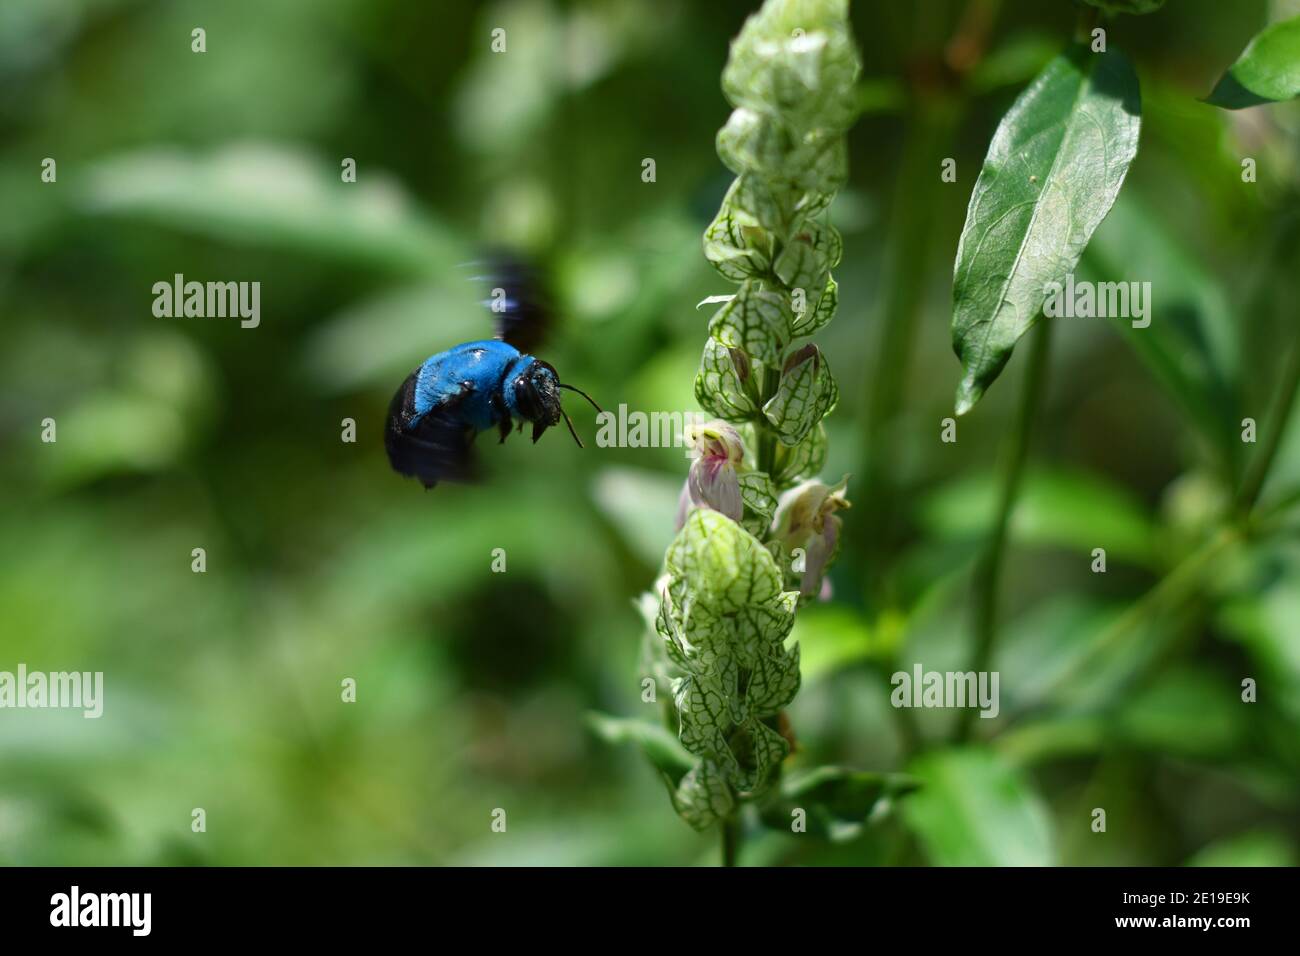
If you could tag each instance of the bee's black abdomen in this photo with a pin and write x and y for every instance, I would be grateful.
(401, 410)
(433, 447)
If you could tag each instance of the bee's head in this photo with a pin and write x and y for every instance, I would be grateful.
(537, 395)
(536, 392)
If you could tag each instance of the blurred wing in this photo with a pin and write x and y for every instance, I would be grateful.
(434, 448)
(517, 298)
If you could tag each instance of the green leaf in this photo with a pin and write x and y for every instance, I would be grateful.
(705, 704)
(662, 749)
(725, 621)
(769, 207)
(795, 59)
(763, 628)
(757, 143)
(757, 320)
(774, 682)
(803, 460)
(815, 317)
(722, 563)
(268, 196)
(720, 383)
(1054, 168)
(805, 264)
(974, 810)
(806, 394)
(738, 242)
(703, 796)
(838, 801)
(759, 496)
(1268, 70)
(764, 750)
(694, 633)
(760, 145)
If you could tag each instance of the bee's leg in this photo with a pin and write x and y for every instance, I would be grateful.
(502, 415)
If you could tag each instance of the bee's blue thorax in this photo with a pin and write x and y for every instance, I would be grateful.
(492, 366)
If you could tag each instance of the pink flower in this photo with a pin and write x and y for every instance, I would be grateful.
(806, 520)
(713, 481)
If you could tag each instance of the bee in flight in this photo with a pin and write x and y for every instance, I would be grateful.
(443, 405)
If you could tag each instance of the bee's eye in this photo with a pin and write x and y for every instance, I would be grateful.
(526, 398)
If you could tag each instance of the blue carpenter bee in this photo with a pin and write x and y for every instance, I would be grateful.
(443, 405)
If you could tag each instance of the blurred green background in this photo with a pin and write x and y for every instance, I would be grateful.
(475, 688)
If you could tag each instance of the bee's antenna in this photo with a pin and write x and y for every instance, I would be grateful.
(571, 431)
(584, 395)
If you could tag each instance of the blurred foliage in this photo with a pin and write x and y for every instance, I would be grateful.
(475, 689)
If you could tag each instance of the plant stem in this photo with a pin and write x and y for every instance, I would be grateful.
(1278, 417)
(730, 826)
(989, 575)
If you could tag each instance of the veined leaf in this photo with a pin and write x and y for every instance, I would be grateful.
(724, 564)
(662, 749)
(802, 460)
(1268, 70)
(1053, 170)
(703, 796)
(760, 497)
(757, 320)
(720, 383)
(806, 394)
(838, 801)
